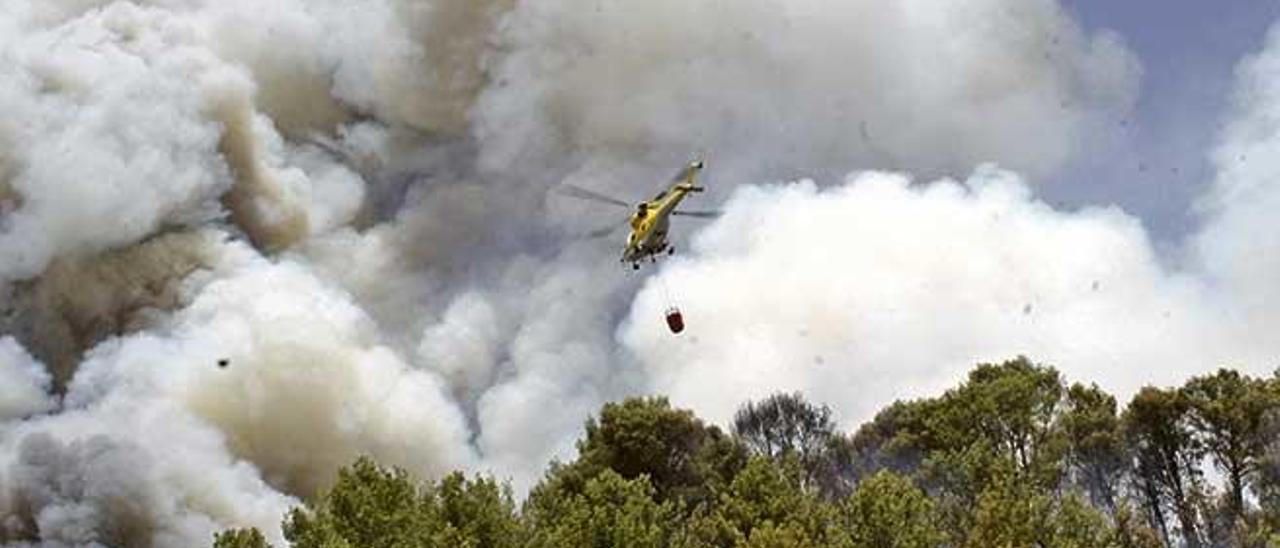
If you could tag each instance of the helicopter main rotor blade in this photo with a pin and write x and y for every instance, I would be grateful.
(699, 214)
(602, 232)
(584, 194)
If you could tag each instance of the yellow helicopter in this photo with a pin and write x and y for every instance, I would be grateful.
(651, 219)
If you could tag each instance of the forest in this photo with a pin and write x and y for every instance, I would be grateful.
(1013, 456)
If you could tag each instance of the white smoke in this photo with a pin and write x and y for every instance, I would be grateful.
(890, 290)
(314, 61)
(128, 474)
(878, 289)
(266, 237)
(26, 383)
(307, 385)
(1237, 248)
(265, 384)
(105, 134)
(775, 87)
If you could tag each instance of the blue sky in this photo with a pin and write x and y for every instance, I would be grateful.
(1189, 50)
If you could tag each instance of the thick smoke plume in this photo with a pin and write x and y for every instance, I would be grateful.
(878, 289)
(243, 242)
(771, 88)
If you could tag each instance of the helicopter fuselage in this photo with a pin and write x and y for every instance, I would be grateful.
(649, 223)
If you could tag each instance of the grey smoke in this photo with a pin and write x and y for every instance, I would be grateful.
(349, 203)
(26, 387)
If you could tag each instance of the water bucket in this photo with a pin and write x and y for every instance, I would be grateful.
(675, 320)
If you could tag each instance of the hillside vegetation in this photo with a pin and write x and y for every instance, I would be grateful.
(1014, 456)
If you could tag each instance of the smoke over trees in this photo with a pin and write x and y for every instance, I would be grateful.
(1013, 456)
(246, 242)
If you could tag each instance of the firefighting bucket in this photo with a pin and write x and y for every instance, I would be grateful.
(675, 320)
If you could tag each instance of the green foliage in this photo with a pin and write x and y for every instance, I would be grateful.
(1012, 407)
(1007, 514)
(769, 492)
(1010, 457)
(768, 535)
(475, 513)
(706, 527)
(1267, 483)
(1012, 513)
(888, 511)
(610, 511)
(1132, 532)
(1009, 408)
(1167, 454)
(240, 538)
(370, 506)
(1075, 524)
(1095, 443)
(1254, 534)
(682, 458)
(1229, 412)
(894, 440)
(367, 507)
(786, 425)
(1004, 420)
(765, 505)
(645, 436)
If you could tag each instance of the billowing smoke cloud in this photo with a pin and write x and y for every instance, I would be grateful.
(243, 242)
(87, 169)
(1237, 247)
(26, 383)
(877, 289)
(770, 87)
(80, 301)
(264, 384)
(302, 384)
(128, 474)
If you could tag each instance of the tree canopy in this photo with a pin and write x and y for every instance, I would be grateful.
(1012, 456)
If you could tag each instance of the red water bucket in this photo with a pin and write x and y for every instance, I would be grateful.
(675, 320)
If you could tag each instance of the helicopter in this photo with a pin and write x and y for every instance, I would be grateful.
(650, 220)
